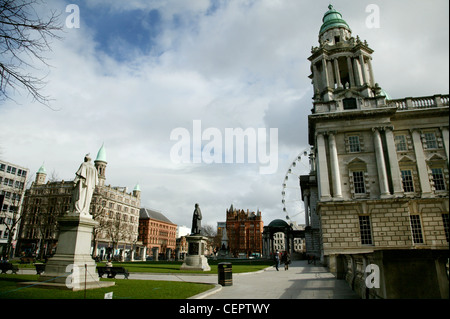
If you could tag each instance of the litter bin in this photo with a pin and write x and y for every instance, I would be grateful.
(225, 274)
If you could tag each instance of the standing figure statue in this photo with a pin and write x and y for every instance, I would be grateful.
(85, 181)
(196, 221)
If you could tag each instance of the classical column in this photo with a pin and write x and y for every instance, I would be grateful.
(312, 162)
(334, 161)
(325, 73)
(316, 84)
(444, 131)
(322, 168)
(363, 69)
(350, 72)
(372, 79)
(381, 166)
(357, 72)
(330, 74)
(396, 176)
(422, 168)
(337, 73)
(306, 202)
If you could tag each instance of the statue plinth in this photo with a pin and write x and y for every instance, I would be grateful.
(195, 258)
(72, 266)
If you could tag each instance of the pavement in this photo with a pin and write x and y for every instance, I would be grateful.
(300, 281)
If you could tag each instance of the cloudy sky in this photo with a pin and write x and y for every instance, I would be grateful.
(135, 71)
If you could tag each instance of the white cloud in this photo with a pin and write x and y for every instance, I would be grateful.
(243, 64)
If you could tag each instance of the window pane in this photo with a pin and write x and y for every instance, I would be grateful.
(400, 143)
(358, 183)
(438, 179)
(445, 220)
(430, 140)
(416, 229)
(364, 228)
(354, 145)
(408, 185)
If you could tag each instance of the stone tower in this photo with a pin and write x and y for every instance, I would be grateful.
(378, 194)
(137, 191)
(100, 165)
(41, 174)
(341, 65)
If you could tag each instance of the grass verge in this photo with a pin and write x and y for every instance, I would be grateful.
(123, 289)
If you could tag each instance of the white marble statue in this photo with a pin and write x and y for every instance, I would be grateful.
(85, 181)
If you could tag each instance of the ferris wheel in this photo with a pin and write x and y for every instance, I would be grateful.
(291, 193)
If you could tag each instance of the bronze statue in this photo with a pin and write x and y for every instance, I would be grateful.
(196, 221)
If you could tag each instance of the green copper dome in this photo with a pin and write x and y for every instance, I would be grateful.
(333, 19)
(137, 188)
(101, 155)
(42, 170)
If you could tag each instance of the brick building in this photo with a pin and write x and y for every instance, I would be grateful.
(157, 233)
(244, 231)
(378, 188)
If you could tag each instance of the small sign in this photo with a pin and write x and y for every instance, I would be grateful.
(109, 295)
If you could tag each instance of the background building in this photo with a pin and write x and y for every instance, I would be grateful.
(244, 231)
(158, 234)
(116, 210)
(12, 187)
(381, 168)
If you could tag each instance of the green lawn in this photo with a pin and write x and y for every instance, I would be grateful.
(123, 289)
(127, 288)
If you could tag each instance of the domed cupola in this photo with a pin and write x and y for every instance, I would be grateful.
(334, 29)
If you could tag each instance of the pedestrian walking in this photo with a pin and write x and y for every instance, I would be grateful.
(276, 258)
(286, 259)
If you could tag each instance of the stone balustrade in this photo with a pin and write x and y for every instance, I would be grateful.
(419, 102)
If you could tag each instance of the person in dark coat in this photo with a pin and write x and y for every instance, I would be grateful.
(286, 259)
(276, 259)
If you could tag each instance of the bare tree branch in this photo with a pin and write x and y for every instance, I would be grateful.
(24, 37)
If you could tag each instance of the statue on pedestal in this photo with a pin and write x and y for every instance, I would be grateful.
(196, 221)
(195, 258)
(85, 181)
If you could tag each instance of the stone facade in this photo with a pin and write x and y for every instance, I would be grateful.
(115, 210)
(12, 187)
(381, 165)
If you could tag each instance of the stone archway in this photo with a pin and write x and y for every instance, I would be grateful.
(276, 226)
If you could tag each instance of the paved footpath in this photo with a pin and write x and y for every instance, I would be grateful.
(301, 281)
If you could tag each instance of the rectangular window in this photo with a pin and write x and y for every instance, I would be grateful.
(354, 145)
(407, 180)
(445, 220)
(364, 229)
(400, 143)
(358, 182)
(430, 140)
(416, 229)
(438, 179)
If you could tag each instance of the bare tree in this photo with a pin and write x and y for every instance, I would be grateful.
(24, 37)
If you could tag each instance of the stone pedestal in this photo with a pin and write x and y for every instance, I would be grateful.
(72, 266)
(195, 259)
